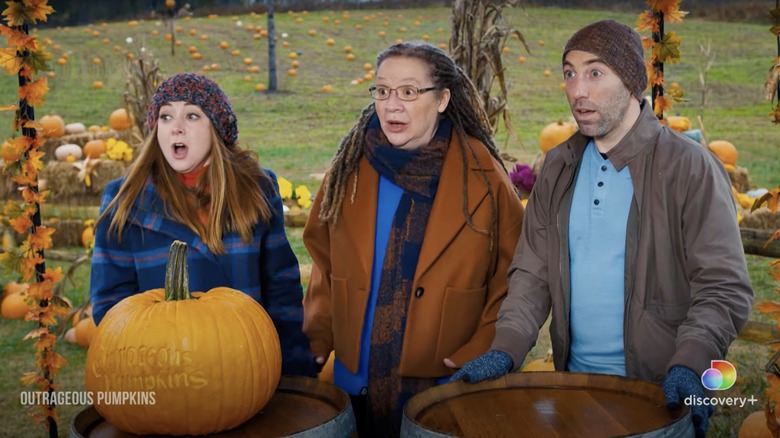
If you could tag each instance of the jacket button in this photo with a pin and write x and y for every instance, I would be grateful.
(419, 292)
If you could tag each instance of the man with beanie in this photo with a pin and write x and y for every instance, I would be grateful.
(630, 239)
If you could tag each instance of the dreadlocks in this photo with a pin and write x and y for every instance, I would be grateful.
(465, 111)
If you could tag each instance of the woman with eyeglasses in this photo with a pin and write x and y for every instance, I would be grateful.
(411, 235)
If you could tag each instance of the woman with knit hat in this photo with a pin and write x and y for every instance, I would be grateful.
(630, 240)
(192, 182)
(410, 234)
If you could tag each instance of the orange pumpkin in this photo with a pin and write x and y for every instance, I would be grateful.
(725, 151)
(14, 306)
(754, 426)
(94, 148)
(678, 123)
(543, 364)
(85, 331)
(120, 120)
(326, 374)
(12, 288)
(554, 134)
(212, 362)
(8, 152)
(52, 126)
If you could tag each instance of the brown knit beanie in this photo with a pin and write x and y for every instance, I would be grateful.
(619, 46)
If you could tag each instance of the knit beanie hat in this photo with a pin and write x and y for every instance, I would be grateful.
(619, 46)
(201, 91)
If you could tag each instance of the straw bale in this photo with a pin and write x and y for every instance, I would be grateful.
(761, 219)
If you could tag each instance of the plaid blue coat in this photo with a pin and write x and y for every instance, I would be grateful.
(265, 269)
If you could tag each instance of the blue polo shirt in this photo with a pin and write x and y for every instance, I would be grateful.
(597, 253)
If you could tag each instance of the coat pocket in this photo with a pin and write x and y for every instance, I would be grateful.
(340, 319)
(673, 313)
(461, 312)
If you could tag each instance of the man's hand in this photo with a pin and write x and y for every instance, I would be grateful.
(680, 383)
(489, 366)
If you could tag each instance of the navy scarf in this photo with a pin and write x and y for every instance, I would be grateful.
(417, 173)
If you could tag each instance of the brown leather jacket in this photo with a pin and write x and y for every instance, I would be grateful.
(687, 290)
(458, 286)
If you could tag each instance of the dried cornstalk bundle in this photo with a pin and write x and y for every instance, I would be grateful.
(143, 77)
(479, 34)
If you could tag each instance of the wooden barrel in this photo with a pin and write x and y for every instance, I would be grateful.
(548, 404)
(301, 407)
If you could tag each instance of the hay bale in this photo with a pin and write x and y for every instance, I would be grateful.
(739, 178)
(66, 188)
(761, 219)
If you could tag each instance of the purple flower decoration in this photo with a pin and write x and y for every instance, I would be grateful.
(522, 177)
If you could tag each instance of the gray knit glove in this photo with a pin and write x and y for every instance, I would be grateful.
(682, 382)
(489, 366)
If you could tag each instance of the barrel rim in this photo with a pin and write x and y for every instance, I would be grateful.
(539, 379)
(89, 418)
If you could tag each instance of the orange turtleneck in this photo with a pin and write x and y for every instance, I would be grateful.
(190, 179)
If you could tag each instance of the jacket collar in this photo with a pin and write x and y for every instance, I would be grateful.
(446, 217)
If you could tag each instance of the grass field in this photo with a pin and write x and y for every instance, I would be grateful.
(296, 130)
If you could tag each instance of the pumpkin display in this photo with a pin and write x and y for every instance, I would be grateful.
(725, 151)
(212, 362)
(554, 134)
(120, 119)
(68, 150)
(94, 148)
(52, 126)
(754, 426)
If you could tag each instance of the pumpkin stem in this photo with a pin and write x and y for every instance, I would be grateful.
(177, 279)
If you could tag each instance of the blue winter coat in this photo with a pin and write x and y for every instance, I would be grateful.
(265, 269)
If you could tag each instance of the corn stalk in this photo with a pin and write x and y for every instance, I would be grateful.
(479, 34)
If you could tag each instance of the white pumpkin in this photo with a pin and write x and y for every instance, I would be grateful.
(62, 152)
(75, 128)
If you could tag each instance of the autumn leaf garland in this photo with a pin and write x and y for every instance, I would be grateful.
(24, 58)
(664, 48)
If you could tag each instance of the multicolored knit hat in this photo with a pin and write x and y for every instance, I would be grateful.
(201, 91)
(619, 46)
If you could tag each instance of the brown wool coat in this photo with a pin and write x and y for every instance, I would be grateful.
(458, 285)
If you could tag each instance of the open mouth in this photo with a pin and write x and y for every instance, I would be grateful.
(179, 150)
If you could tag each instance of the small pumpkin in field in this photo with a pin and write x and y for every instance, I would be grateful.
(13, 287)
(554, 134)
(120, 120)
(725, 151)
(52, 126)
(213, 361)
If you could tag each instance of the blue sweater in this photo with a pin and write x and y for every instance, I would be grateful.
(265, 268)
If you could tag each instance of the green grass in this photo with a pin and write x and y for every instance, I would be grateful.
(297, 130)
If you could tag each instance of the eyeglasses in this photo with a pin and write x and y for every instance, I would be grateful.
(404, 92)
